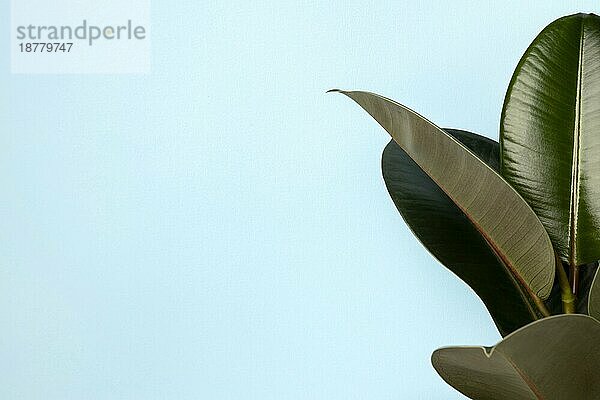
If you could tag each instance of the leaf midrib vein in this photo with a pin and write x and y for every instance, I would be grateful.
(528, 382)
(575, 167)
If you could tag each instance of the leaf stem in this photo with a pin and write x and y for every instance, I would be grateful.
(566, 294)
(541, 306)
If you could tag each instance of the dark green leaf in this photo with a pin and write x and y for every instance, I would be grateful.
(550, 134)
(451, 237)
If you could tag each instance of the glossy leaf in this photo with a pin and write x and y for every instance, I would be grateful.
(451, 237)
(553, 358)
(494, 207)
(550, 134)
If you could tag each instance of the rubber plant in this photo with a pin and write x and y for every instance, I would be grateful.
(518, 220)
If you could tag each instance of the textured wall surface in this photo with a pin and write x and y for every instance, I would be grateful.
(219, 228)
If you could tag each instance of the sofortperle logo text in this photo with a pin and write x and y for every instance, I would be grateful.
(84, 32)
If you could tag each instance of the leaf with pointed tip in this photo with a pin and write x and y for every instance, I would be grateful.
(549, 134)
(553, 358)
(497, 211)
(446, 231)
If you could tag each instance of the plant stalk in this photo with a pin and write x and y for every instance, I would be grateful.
(541, 306)
(566, 294)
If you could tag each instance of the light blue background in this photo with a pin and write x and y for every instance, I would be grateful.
(219, 229)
